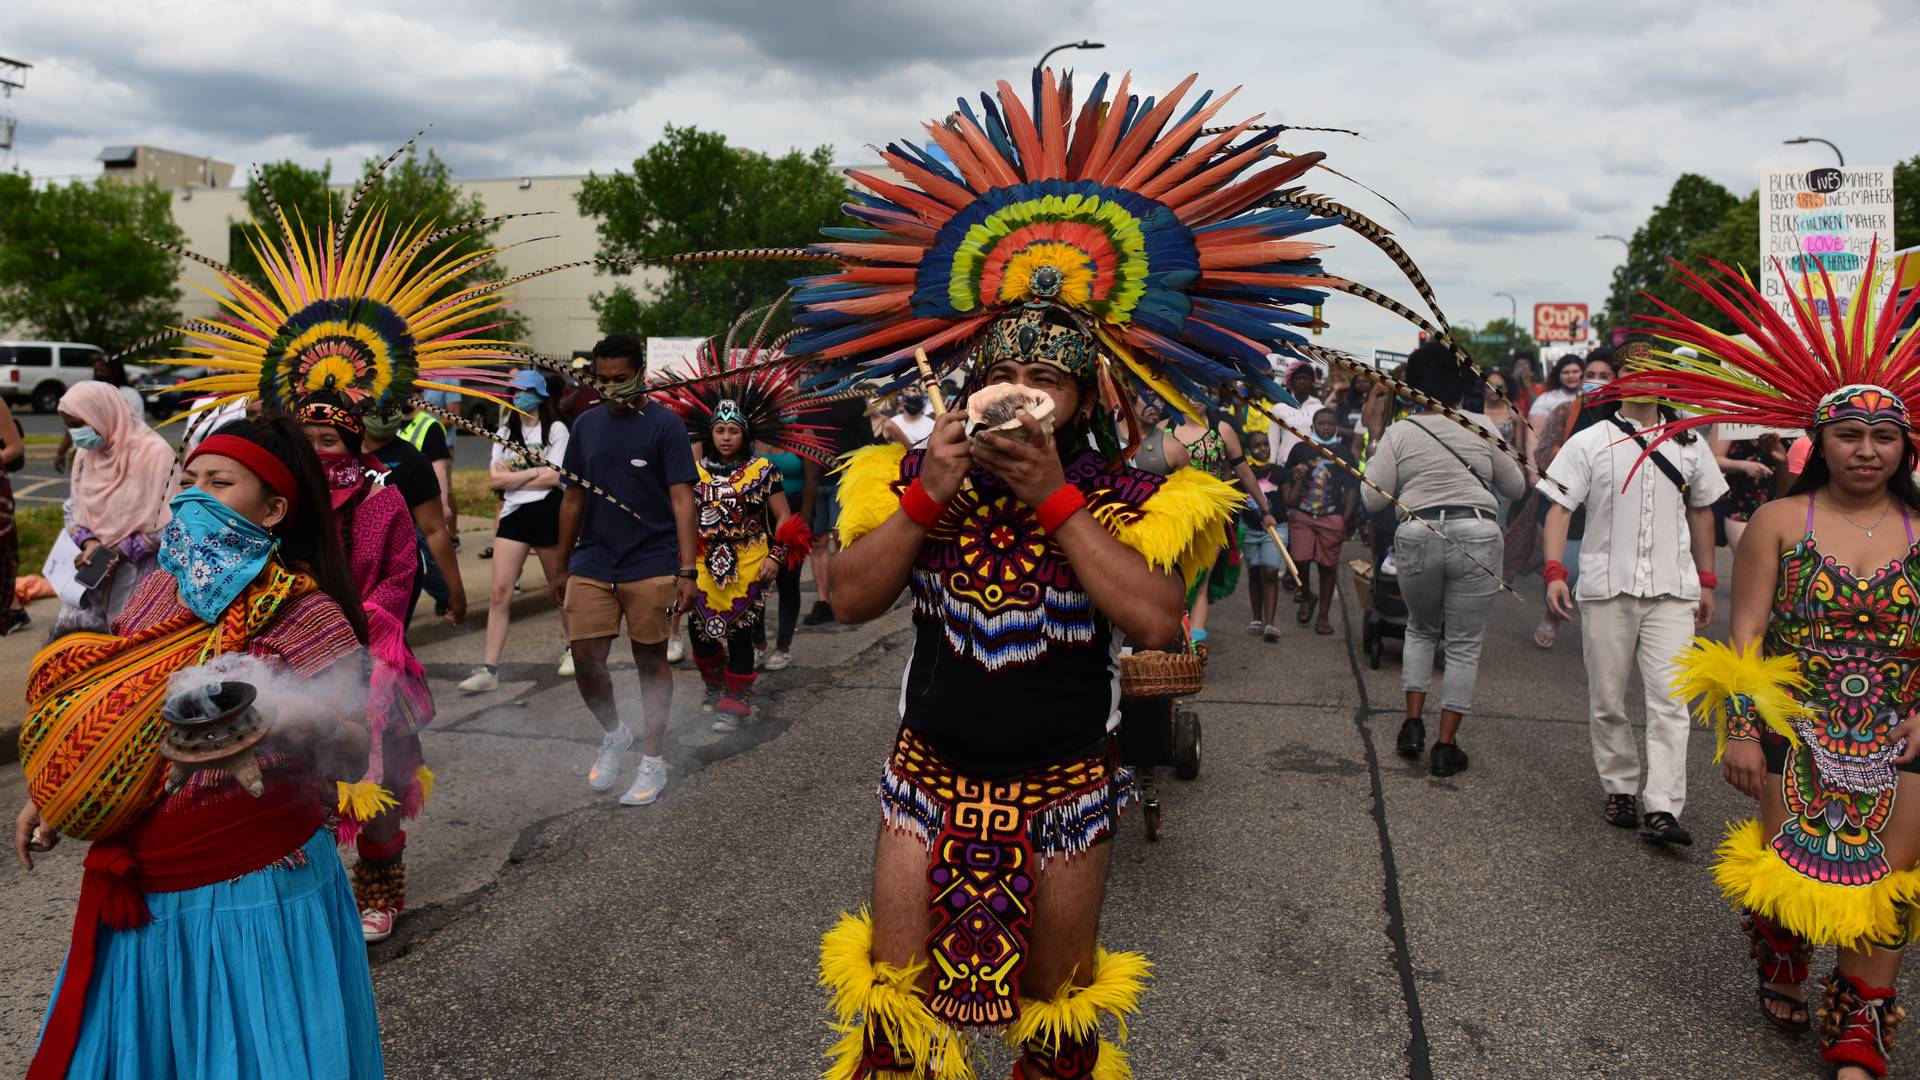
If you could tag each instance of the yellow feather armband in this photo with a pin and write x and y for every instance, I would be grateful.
(1720, 680)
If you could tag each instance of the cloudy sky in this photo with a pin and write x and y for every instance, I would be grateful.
(1511, 131)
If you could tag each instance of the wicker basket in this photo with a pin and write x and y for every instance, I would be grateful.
(1159, 675)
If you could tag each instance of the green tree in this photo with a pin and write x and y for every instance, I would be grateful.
(74, 265)
(1493, 345)
(692, 192)
(1694, 207)
(413, 189)
(1906, 203)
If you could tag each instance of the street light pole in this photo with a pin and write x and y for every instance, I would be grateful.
(1621, 240)
(1513, 309)
(1804, 139)
(1068, 45)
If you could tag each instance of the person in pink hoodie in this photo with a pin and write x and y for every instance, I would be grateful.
(376, 529)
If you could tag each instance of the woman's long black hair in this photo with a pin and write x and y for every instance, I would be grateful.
(1817, 474)
(308, 536)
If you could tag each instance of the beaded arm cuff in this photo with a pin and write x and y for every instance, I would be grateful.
(1743, 722)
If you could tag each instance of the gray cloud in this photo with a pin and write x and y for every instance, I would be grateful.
(1511, 130)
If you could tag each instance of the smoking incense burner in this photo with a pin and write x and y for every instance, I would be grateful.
(214, 726)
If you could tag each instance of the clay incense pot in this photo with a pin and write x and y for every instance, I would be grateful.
(213, 727)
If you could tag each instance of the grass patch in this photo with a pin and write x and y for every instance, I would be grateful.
(41, 438)
(38, 526)
(473, 491)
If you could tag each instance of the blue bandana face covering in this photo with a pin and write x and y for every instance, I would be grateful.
(213, 552)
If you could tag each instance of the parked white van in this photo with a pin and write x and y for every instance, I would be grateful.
(38, 372)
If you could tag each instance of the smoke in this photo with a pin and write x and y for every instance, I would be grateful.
(296, 710)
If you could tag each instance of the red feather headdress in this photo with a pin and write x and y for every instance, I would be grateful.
(1785, 371)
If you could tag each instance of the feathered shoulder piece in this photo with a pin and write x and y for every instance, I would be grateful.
(1181, 526)
(868, 489)
(754, 387)
(1838, 358)
(1178, 248)
(356, 307)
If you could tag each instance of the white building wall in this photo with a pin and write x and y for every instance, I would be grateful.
(560, 321)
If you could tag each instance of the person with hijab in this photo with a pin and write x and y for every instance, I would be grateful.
(122, 475)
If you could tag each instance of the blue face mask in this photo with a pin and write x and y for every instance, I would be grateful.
(1588, 387)
(86, 438)
(1326, 440)
(212, 552)
(527, 401)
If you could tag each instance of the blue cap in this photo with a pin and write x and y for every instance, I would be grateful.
(528, 379)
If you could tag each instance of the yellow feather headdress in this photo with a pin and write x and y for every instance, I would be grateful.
(343, 311)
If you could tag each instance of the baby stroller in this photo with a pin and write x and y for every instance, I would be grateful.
(1386, 609)
(1156, 728)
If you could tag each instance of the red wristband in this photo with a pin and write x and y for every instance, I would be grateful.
(1054, 511)
(919, 506)
(1709, 580)
(1553, 571)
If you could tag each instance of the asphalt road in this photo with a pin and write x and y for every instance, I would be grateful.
(1316, 907)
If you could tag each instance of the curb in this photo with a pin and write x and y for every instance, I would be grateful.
(425, 631)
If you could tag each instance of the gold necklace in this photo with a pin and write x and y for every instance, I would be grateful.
(1868, 529)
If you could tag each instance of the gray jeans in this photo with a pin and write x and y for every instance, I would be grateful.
(1444, 589)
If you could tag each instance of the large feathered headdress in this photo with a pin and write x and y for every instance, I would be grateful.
(343, 311)
(752, 387)
(1176, 252)
(1840, 358)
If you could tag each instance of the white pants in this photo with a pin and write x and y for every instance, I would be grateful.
(1615, 634)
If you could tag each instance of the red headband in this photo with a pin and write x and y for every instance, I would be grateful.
(271, 470)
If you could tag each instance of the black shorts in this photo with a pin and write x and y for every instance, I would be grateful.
(536, 524)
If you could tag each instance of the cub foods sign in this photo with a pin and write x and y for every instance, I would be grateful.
(1823, 219)
(1559, 322)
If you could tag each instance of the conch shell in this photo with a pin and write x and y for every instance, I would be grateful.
(998, 408)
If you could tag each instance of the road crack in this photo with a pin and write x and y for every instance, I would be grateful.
(1419, 1053)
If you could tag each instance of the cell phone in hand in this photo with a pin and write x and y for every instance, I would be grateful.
(93, 573)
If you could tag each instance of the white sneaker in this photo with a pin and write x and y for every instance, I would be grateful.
(676, 648)
(726, 725)
(648, 783)
(606, 767)
(480, 682)
(777, 660)
(760, 656)
(566, 663)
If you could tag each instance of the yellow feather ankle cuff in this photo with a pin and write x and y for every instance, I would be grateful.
(1074, 1013)
(886, 999)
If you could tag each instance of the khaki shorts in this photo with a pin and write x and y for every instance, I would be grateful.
(594, 608)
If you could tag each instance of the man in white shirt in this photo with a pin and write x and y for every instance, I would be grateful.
(1647, 554)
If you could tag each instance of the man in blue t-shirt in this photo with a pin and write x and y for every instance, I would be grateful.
(640, 569)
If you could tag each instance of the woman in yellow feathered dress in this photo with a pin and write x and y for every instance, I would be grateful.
(1814, 700)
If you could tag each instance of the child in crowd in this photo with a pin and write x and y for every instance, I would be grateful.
(1258, 551)
(1321, 499)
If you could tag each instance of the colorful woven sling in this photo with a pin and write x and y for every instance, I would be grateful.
(91, 743)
